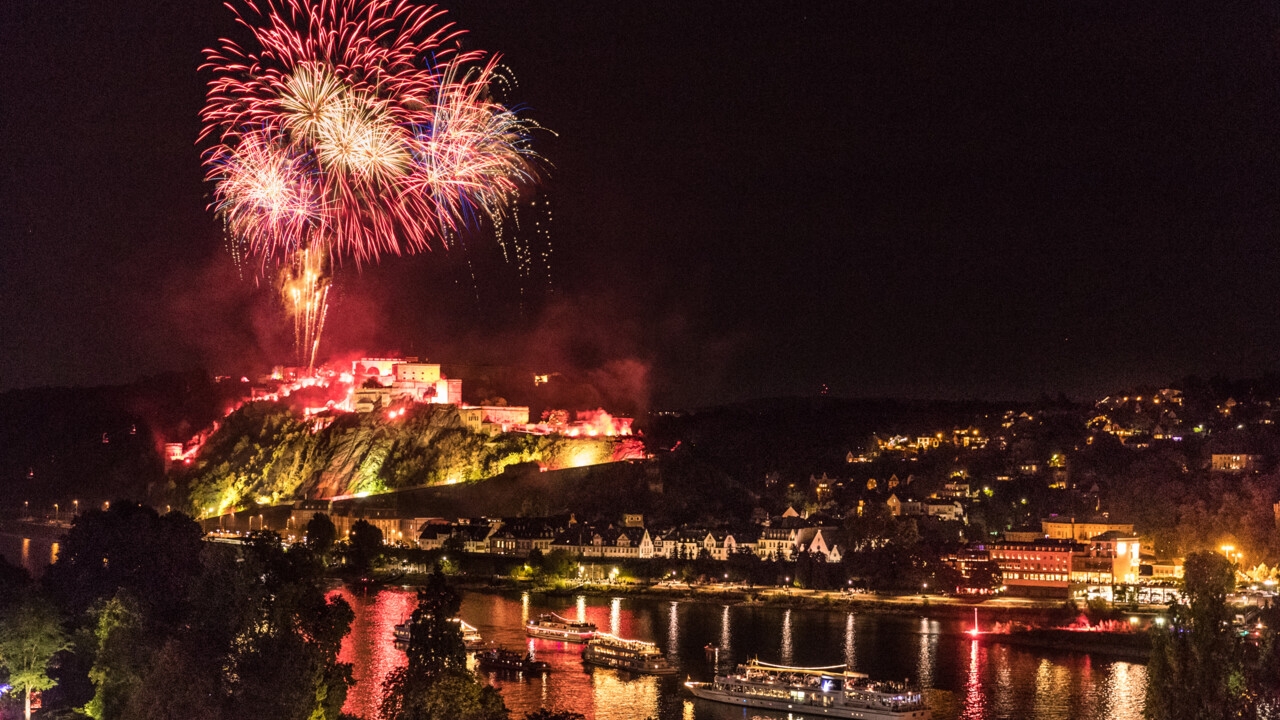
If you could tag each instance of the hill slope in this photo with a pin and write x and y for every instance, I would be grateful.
(264, 453)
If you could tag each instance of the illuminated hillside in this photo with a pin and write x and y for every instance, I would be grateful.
(265, 453)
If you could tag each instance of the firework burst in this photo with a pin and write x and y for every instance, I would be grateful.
(354, 129)
(372, 102)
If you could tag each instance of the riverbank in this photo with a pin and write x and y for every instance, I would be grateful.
(49, 532)
(1133, 646)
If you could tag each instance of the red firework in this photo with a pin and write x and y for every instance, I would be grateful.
(388, 130)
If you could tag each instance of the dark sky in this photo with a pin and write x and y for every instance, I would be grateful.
(750, 199)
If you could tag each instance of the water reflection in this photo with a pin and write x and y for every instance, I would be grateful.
(621, 695)
(975, 703)
(1126, 690)
(582, 608)
(726, 636)
(369, 646)
(850, 643)
(785, 652)
(34, 554)
(970, 679)
(928, 651)
(673, 631)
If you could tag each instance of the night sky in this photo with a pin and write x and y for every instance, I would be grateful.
(750, 199)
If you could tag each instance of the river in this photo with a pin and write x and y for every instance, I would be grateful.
(963, 678)
(34, 554)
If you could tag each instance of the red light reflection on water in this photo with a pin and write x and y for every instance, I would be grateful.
(369, 646)
(975, 701)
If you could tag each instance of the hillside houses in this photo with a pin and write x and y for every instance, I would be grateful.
(519, 537)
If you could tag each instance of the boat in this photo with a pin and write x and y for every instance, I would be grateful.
(553, 627)
(834, 691)
(470, 635)
(498, 658)
(634, 656)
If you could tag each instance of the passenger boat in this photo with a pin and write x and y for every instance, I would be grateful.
(503, 659)
(634, 656)
(834, 691)
(554, 627)
(470, 635)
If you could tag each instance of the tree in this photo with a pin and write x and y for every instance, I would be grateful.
(558, 563)
(14, 582)
(454, 544)
(30, 635)
(283, 661)
(985, 575)
(130, 547)
(435, 637)
(435, 684)
(536, 558)
(121, 658)
(261, 640)
(321, 534)
(1196, 670)
(366, 545)
(455, 695)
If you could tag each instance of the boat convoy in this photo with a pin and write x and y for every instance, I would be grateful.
(834, 691)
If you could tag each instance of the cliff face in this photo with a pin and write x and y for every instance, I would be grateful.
(265, 453)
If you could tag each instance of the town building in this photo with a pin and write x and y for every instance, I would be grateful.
(521, 536)
(608, 542)
(1041, 568)
(1235, 462)
(977, 571)
(1082, 529)
(471, 536)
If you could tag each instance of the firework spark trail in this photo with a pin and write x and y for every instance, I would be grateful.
(353, 129)
(305, 288)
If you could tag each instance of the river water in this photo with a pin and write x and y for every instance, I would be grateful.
(34, 554)
(963, 678)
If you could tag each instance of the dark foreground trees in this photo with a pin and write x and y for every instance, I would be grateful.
(30, 635)
(165, 626)
(1201, 668)
(168, 627)
(435, 684)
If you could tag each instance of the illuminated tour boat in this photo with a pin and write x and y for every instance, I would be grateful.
(470, 635)
(554, 627)
(833, 691)
(631, 655)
